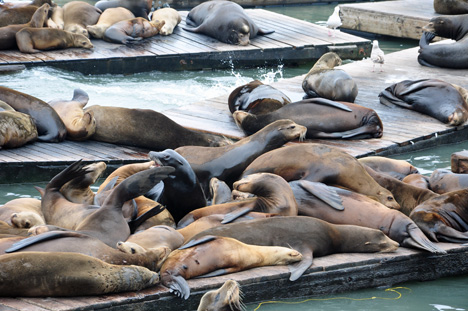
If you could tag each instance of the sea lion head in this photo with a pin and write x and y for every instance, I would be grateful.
(226, 298)
(327, 61)
(26, 220)
(458, 117)
(239, 32)
(81, 41)
(130, 248)
(77, 29)
(445, 26)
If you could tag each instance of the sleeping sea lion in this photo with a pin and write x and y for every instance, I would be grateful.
(130, 30)
(451, 7)
(108, 18)
(170, 17)
(395, 168)
(139, 8)
(443, 181)
(16, 128)
(227, 298)
(22, 213)
(77, 15)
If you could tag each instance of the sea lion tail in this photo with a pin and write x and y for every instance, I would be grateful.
(417, 239)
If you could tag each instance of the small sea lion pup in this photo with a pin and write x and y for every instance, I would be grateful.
(451, 55)
(451, 7)
(170, 17)
(130, 30)
(325, 81)
(35, 40)
(322, 117)
(16, 128)
(257, 98)
(216, 255)
(432, 97)
(226, 298)
(223, 20)
(108, 18)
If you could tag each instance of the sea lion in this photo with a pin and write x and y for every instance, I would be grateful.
(310, 236)
(451, 55)
(76, 275)
(226, 298)
(16, 128)
(80, 125)
(130, 30)
(56, 19)
(219, 191)
(77, 15)
(256, 98)
(22, 213)
(322, 163)
(451, 7)
(218, 256)
(323, 118)
(154, 237)
(170, 17)
(182, 192)
(49, 125)
(7, 230)
(8, 33)
(324, 81)
(223, 20)
(146, 128)
(272, 195)
(360, 210)
(417, 180)
(444, 218)
(139, 8)
(432, 97)
(443, 181)
(34, 40)
(228, 162)
(107, 19)
(16, 16)
(396, 168)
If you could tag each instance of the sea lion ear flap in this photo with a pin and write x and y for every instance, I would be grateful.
(198, 241)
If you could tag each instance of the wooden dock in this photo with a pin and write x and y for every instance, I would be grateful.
(293, 42)
(188, 4)
(402, 19)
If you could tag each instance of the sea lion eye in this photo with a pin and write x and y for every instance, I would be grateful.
(390, 198)
(292, 127)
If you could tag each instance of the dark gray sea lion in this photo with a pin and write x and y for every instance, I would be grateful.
(432, 97)
(451, 7)
(49, 125)
(257, 98)
(140, 8)
(225, 21)
(323, 118)
(443, 181)
(324, 81)
(451, 55)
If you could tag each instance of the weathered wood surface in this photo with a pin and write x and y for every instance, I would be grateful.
(329, 274)
(188, 4)
(403, 19)
(293, 42)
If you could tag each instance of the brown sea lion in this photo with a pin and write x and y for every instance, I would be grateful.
(324, 81)
(8, 33)
(321, 163)
(451, 7)
(80, 125)
(433, 97)
(146, 128)
(256, 98)
(226, 298)
(77, 15)
(17, 16)
(395, 168)
(228, 162)
(140, 8)
(34, 40)
(272, 195)
(68, 274)
(22, 213)
(444, 218)
(310, 236)
(323, 118)
(107, 19)
(56, 19)
(7, 230)
(360, 210)
(16, 128)
(170, 17)
(225, 21)
(417, 180)
(219, 191)
(443, 181)
(154, 237)
(218, 256)
(49, 125)
(131, 30)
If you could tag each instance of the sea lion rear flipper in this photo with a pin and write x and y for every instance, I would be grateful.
(235, 214)
(262, 32)
(195, 242)
(423, 62)
(324, 193)
(417, 239)
(179, 287)
(386, 98)
(218, 272)
(135, 223)
(448, 234)
(331, 103)
(368, 129)
(298, 269)
(194, 29)
(46, 236)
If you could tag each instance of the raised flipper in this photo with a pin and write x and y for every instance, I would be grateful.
(297, 269)
(195, 242)
(235, 214)
(46, 236)
(323, 192)
(74, 170)
(135, 223)
(179, 287)
(417, 239)
(426, 39)
(101, 195)
(331, 103)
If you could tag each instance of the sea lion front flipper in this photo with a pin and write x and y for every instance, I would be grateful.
(417, 239)
(46, 236)
(179, 287)
(135, 223)
(426, 38)
(218, 273)
(331, 103)
(195, 242)
(298, 269)
(324, 193)
(235, 214)
(387, 98)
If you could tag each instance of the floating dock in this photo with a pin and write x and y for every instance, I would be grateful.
(402, 19)
(293, 42)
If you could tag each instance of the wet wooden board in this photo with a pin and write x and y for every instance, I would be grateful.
(293, 42)
(402, 19)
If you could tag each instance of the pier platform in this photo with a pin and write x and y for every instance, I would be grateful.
(402, 19)
(293, 42)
